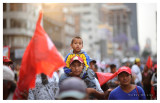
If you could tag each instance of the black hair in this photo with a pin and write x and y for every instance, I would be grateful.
(44, 79)
(77, 37)
(112, 66)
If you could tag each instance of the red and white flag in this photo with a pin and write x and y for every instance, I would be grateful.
(41, 56)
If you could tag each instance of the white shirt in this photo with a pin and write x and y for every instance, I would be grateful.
(44, 92)
(98, 87)
(137, 73)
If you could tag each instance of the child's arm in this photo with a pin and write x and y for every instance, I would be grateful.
(87, 58)
(66, 68)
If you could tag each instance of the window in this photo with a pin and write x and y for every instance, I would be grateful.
(86, 4)
(17, 7)
(86, 13)
(4, 6)
(15, 23)
(90, 37)
(4, 24)
(89, 29)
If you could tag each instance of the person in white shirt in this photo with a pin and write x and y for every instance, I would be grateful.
(136, 72)
(46, 88)
(8, 83)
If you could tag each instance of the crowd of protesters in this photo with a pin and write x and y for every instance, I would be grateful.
(78, 80)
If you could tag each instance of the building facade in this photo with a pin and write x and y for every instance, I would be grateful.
(19, 21)
(118, 15)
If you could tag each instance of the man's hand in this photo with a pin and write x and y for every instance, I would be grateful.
(107, 92)
(90, 90)
(97, 94)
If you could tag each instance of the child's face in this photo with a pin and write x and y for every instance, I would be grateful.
(77, 45)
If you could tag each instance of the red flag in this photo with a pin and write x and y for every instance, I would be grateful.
(105, 77)
(149, 62)
(41, 56)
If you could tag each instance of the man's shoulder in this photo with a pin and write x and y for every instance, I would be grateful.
(139, 88)
(63, 76)
(90, 73)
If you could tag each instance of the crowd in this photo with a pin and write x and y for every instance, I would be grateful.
(78, 80)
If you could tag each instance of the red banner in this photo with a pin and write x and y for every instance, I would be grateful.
(149, 63)
(105, 77)
(40, 56)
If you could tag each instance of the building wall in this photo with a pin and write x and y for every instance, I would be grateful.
(19, 24)
(89, 20)
(118, 15)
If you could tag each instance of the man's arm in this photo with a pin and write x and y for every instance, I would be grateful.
(67, 61)
(98, 95)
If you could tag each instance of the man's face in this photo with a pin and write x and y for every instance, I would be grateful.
(139, 64)
(91, 65)
(124, 78)
(77, 68)
(77, 45)
(113, 70)
(6, 63)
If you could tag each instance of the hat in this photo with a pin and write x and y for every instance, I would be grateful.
(8, 74)
(124, 69)
(137, 60)
(6, 59)
(92, 60)
(73, 87)
(76, 58)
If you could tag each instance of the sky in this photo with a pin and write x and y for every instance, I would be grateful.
(146, 13)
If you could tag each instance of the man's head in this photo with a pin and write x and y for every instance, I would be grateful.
(92, 64)
(138, 61)
(73, 89)
(76, 65)
(77, 44)
(155, 67)
(7, 61)
(8, 80)
(124, 75)
(113, 68)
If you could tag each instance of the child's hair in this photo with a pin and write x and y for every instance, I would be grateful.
(77, 37)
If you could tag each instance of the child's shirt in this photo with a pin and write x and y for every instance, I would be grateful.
(70, 55)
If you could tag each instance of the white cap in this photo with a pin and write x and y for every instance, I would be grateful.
(8, 74)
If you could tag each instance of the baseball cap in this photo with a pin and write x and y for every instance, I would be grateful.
(6, 59)
(76, 58)
(8, 74)
(72, 87)
(92, 60)
(124, 69)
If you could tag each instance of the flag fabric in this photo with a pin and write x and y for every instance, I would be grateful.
(153, 92)
(149, 62)
(105, 77)
(40, 56)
